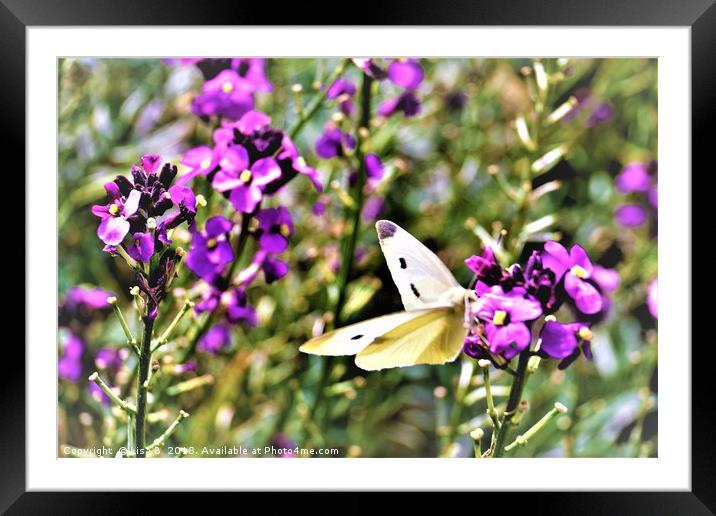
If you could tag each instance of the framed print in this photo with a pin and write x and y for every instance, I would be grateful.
(418, 258)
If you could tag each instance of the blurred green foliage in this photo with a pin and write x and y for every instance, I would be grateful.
(456, 178)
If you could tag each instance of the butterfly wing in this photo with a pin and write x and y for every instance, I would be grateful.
(352, 339)
(434, 337)
(421, 277)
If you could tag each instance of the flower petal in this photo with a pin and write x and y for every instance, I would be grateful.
(556, 258)
(112, 230)
(132, 203)
(578, 256)
(264, 171)
(235, 159)
(218, 225)
(585, 295)
(245, 198)
(558, 340)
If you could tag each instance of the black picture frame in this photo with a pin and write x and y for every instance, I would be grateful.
(17, 15)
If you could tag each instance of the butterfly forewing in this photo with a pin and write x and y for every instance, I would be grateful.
(351, 339)
(422, 279)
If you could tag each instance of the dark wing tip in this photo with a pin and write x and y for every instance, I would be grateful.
(385, 228)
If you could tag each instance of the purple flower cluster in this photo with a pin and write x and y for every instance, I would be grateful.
(510, 302)
(137, 221)
(639, 182)
(230, 87)
(77, 310)
(210, 256)
(406, 74)
(250, 160)
(146, 207)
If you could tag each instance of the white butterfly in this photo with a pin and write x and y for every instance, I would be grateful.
(432, 328)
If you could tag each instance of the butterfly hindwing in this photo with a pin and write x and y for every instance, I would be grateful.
(435, 337)
(421, 277)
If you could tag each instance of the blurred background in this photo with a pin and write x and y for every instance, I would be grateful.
(453, 177)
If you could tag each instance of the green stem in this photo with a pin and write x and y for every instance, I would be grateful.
(349, 245)
(523, 439)
(514, 400)
(142, 378)
(168, 332)
(127, 407)
(159, 441)
(491, 411)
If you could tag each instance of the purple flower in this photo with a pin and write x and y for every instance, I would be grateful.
(69, 365)
(654, 196)
(273, 268)
(114, 225)
(292, 163)
(406, 73)
(343, 90)
(630, 215)
(372, 208)
(237, 307)
(210, 250)
(319, 208)
(504, 316)
(226, 95)
(541, 283)
(563, 341)
(246, 182)
(142, 247)
(374, 168)
(480, 265)
(216, 338)
(576, 268)
(81, 304)
(110, 359)
(474, 347)
(603, 112)
(148, 194)
(634, 177)
(252, 70)
(233, 302)
(652, 298)
(275, 228)
(334, 142)
(370, 68)
(406, 102)
(607, 279)
(200, 160)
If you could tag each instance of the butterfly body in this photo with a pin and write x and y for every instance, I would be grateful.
(431, 330)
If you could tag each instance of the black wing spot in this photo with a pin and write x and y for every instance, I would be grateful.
(356, 337)
(415, 290)
(403, 265)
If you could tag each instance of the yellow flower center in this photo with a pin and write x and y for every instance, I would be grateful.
(211, 243)
(167, 195)
(585, 333)
(579, 271)
(227, 87)
(285, 230)
(245, 176)
(200, 200)
(114, 209)
(499, 317)
(206, 163)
